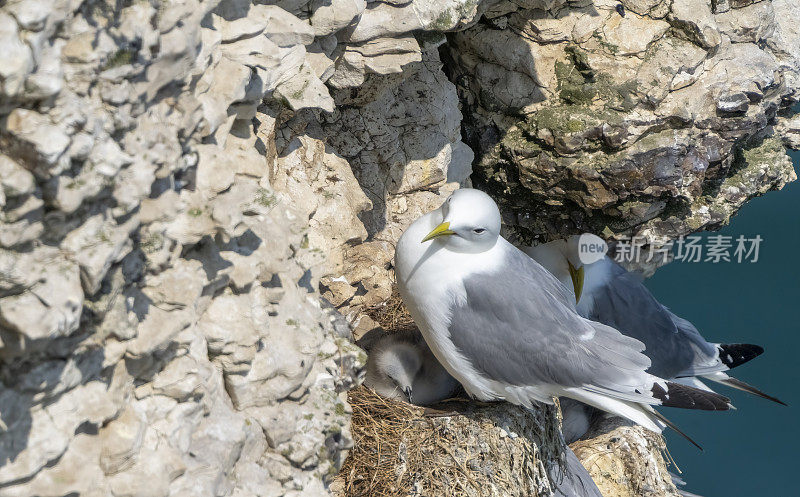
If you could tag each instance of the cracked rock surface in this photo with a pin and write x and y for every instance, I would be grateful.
(199, 199)
(658, 123)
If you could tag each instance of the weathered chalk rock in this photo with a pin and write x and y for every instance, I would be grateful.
(159, 318)
(625, 460)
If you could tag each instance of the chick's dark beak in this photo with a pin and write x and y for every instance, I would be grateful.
(407, 391)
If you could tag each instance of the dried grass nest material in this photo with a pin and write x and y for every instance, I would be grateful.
(392, 315)
(456, 449)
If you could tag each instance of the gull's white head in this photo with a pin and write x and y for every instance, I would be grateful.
(565, 259)
(470, 222)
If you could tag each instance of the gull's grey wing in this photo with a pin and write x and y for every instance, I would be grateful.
(519, 326)
(673, 345)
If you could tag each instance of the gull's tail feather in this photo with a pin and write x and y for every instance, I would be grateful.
(632, 410)
(672, 425)
(736, 354)
(635, 406)
(686, 397)
(692, 381)
(740, 385)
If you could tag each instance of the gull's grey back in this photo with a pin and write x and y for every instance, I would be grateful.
(673, 345)
(519, 326)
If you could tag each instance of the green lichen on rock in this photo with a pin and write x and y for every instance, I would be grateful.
(770, 151)
(450, 17)
(575, 77)
(765, 157)
(564, 119)
(579, 84)
(616, 96)
(758, 166)
(443, 21)
(265, 198)
(573, 87)
(152, 243)
(121, 57)
(520, 141)
(611, 48)
(298, 94)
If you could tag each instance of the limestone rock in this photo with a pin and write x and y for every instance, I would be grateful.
(135, 206)
(696, 21)
(790, 132)
(330, 16)
(580, 99)
(18, 60)
(387, 20)
(625, 460)
(749, 24)
(44, 299)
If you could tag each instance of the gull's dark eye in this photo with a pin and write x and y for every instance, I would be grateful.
(478, 231)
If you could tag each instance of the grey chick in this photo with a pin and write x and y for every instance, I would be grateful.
(401, 366)
(576, 418)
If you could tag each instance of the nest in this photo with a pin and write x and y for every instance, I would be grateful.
(457, 448)
(382, 428)
(460, 447)
(392, 315)
(468, 448)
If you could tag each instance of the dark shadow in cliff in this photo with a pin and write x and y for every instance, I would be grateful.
(210, 252)
(389, 122)
(39, 382)
(39, 373)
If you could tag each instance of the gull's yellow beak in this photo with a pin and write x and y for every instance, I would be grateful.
(577, 280)
(441, 230)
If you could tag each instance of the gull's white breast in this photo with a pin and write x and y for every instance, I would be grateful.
(431, 282)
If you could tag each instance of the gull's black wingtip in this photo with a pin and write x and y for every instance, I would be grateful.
(736, 354)
(746, 387)
(686, 397)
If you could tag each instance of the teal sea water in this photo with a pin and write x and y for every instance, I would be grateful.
(751, 451)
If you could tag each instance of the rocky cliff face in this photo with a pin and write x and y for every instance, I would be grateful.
(633, 118)
(180, 183)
